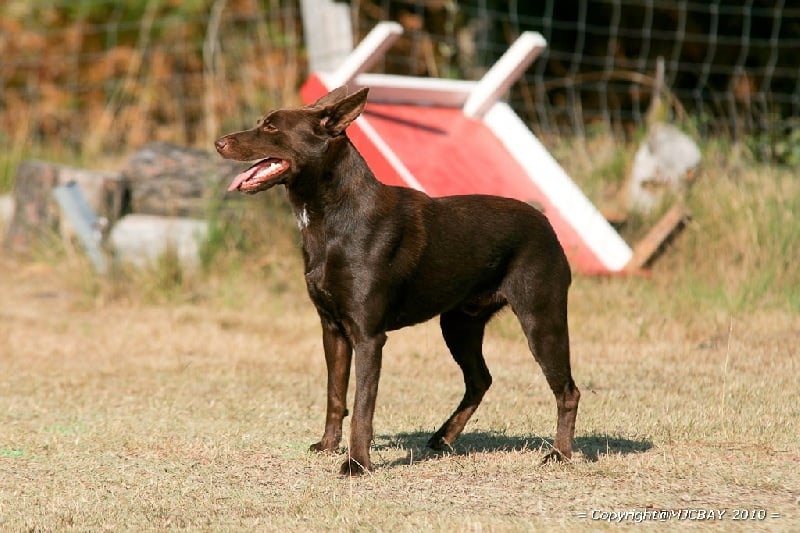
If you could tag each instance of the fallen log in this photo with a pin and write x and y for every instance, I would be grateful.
(647, 249)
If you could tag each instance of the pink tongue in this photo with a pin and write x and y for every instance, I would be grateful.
(241, 178)
(250, 173)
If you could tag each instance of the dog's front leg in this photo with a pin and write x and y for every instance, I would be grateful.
(368, 371)
(338, 354)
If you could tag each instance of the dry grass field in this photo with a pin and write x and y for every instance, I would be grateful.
(156, 401)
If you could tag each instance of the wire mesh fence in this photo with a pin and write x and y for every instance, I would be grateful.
(100, 74)
(730, 64)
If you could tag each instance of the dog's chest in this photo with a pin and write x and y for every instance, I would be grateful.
(301, 216)
(325, 292)
(325, 271)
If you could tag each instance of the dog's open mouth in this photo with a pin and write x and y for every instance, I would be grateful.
(259, 175)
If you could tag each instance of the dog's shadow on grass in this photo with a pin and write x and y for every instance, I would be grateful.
(591, 447)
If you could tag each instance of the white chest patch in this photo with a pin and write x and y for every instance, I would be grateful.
(302, 218)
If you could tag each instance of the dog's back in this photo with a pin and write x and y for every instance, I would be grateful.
(464, 247)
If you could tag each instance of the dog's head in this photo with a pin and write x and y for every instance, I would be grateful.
(285, 141)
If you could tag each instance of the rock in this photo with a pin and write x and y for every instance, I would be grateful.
(142, 239)
(170, 180)
(665, 163)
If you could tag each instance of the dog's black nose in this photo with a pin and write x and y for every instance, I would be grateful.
(221, 143)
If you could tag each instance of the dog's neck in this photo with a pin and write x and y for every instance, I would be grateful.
(342, 184)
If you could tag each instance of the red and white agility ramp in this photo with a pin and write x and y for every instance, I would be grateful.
(448, 137)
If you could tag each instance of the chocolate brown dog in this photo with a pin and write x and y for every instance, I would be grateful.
(379, 258)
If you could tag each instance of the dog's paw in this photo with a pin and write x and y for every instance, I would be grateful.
(353, 468)
(438, 443)
(324, 446)
(556, 456)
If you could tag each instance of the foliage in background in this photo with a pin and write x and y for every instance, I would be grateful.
(93, 77)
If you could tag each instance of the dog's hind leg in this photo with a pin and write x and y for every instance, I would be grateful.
(463, 334)
(338, 354)
(543, 316)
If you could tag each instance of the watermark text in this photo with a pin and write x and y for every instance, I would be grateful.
(690, 515)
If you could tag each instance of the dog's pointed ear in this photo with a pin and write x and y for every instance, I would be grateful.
(339, 115)
(331, 98)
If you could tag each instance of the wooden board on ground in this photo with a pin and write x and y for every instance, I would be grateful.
(648, 248)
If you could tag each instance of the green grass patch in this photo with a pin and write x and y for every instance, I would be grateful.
(11, 453)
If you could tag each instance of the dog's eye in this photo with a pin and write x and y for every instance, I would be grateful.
(269, 128)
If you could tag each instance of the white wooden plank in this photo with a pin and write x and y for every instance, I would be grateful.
(328, 33)
(504, 73)
(366, 53)
(394, 89)
(555, 183)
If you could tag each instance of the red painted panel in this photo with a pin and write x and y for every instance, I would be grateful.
(450, 152)
(312, 90)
